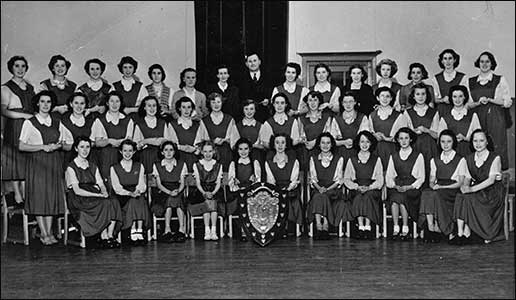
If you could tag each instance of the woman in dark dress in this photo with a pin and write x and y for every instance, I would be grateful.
(96, 88)
(109, 130)
(295, 92)
(480, 207)
(16, 107)
(88, 198)
(404, 176)
(231, 103)
(446, 177)
(363, 92)
(330, 92)
(43, 136)
(128, 182)
(326, 179)
(59, 84)
(363, 177)
(129, 87)
(417, 73)
(386, 69)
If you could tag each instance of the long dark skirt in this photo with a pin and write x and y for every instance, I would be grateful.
(162, 201)
(134, 209)
(322, 204)
(410, 199)
(439, 203)
(366, 205)
(295, 209)
(198, 205)
(482, 211)
(13, 160)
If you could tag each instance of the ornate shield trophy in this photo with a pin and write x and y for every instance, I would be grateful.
(263, 211)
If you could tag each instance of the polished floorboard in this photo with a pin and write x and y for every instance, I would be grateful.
(292, 268)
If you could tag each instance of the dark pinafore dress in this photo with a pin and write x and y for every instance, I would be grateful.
(133, 209)
(440, 202)
(62, 94)
(411, 198)
(149, 154)
(282, 177)
(96, 97)
(92, 213)
(219, 131)
(384, 149)
(286, 128)
(197, 204)
(293, 98)
(444, 89)
(366, 204)
(171, 181)
(77, 131)
(251, 133)
(312, 131)
(323, 204)
(482, 211)
(187, 137)
(348, 131)
(460, 126)
(492, 116)
(13, 160)
(326, 96)
(44, 181)
(425, 143)
(129, 97)
(243, 173)
(108, 155)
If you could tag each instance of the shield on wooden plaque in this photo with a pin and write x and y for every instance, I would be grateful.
(263, 212)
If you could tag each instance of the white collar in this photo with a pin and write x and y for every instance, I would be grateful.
(388, 84)
(169, 165)
(280, 118)
(110, 118)
(81, 163)
(278, 161)
(322, 87)
(355, 86)
(421, 111)
(458, 114)
(289, 87)
(217, 118)
(384, 112)
(249, 122)
(244, 161)
(404, 153)
(449, 76)
(208, 165)
(222, 87)
(349, 117)
(258, 74)
(185, 122)
(47, 121)
(151, 121)
(480, 159)
(485, 78)
(447, 158)
(325, 159)
(60, 84)
(314, 114)
(128, 81)
(94, 85)
(77, 121)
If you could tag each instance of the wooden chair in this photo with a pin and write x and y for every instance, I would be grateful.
(385, 217)
(189, 184)
(8, 212)
(66, 230)
(507, 206)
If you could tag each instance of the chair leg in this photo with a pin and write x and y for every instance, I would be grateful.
(230, 231)
(25, 229)
(6, 220)
(154, 227)
(377, 231)
(511, 213)
(341, 232)
(221, 221)
(298, 230)
(414, 229)
(192, 231)
(83, 241)
(348, 229)
(65, 239)
(311, 230)
(506, 219)
(384, 221)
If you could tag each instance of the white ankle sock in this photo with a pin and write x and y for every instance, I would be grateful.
(367, 227)
(213, 229)
(396, 229)
(207, 230)
(361, 227)
(405, 229)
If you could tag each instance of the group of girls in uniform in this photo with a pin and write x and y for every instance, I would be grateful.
(431, 153)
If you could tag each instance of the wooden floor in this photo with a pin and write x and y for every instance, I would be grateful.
(294, 268)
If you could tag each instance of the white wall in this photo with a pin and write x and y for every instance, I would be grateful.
(407, 31)
(151, 32)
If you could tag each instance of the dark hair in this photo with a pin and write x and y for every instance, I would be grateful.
(420, 66)
(332, 141)
(162, 147)
(451, 134)
(369, 136)
(119, 95)
(127, 142)
(357, 66)
(491, 58)
(313, 94)
(94, 61)
(35, 100)
(248, 102)
(490, 144)
(127, 60)
(213, 96)
(321, 65)
(212, 144)
(157, 66)
(53, 61)
(455, 55)
(420, 85)
(237, 144)
(182, 83)
(287, 102)
(180, 101)
(384, 89)
(295, 66)
(277, 135)
(222, 66)
(461, 88)
(412, 134)
(77, 94)
(141, 109)
(387, 61)
(12, 60)
(78, 140)
(348, 93)
(251, 53)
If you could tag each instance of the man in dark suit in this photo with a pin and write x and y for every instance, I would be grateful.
(257, 86)
(230, 93)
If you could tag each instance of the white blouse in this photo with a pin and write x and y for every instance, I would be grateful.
(32, 136)
(350, 175)
(418, 170)
(232, 172)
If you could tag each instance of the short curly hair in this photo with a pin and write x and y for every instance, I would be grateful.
(420, 66)
(127, 60)
(387, 61)
(455, 55)
(12, 60)
(491, 58)
(54, 59)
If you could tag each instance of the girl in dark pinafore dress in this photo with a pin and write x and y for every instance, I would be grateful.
(59, 84)
(221, 130)
(187, 133)
(170, 175)
(283, 170)
(424, 121)
(363, 178)
(249, 128)
(480, 207)
(150, 131)
(295, 92)
(108, 131)
(16, 108)
(88, 199)
(96, 88)
(384, 122)
(128, 181)
(330, 92)
(404, 176)
(326, 180)
(460, 119)
(131, 90)
(347, 125)
(43, 136)
(446, 177)
(208, 199)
